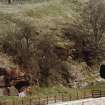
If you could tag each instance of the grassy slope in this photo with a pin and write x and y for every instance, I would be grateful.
(55, 91)
(44, 15)
(43, 10)
(51, 5)
(48, 14)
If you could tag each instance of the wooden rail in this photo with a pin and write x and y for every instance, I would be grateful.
(58, 98)
(98, 93)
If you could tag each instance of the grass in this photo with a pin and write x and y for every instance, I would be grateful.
(43, 92)
(44, 14)
(50, 8)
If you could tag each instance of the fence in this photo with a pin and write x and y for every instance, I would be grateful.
(58, 98)
(21, 1)
(98, 93)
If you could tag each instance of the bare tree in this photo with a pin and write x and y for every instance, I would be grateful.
(88, 32)
(93, 22)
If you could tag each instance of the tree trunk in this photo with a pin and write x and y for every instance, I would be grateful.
(9, 1)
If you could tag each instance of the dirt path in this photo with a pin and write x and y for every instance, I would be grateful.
(90, 101)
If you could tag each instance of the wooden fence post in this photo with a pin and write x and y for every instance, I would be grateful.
(69, 97)
(30, 101)
(100, 93)
(91, 93)
(77, 94)
(13, 103)
(47, 99)
(84, 94)
(62, 97)
(55, 99)
(39, 100)
(22, 102)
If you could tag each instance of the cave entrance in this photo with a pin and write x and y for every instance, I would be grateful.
(102, 71)
(7, 80)
(23, 88)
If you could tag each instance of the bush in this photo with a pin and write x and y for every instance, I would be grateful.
(88, 33)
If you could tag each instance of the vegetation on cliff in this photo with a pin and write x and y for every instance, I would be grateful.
(55, 41)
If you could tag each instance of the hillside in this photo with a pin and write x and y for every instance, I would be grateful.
(33, 34)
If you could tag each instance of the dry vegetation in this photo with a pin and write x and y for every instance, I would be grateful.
(54, 40)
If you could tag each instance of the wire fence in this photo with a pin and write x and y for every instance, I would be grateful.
(55, 99)
(21, 1)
